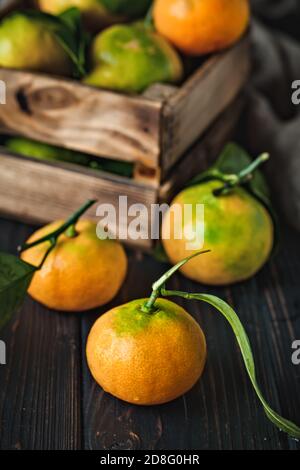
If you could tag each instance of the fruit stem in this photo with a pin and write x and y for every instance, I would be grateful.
(53, 236)
(50, 248)
(148, 307)
(157, 286)
(148, 21)
(71, 231)
(242, 177)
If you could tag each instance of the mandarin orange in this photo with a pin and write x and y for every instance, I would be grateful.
(80, 273)
(201, 26)
(146, 358)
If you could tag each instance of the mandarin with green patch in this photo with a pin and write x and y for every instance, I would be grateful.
(130, 58)
(237, 229)
(30, 42)
(146, 358)
(80, 273)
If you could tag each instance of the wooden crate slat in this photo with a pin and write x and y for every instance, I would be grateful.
(39, 192)
(203, 153)
(201, 99)
(68, 114)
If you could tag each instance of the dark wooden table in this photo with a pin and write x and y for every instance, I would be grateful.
(48, 399)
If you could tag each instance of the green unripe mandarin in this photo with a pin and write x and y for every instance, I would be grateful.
(30, 43)
(130, 58)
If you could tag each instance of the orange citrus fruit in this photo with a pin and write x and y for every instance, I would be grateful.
(201, 26)
(80, 273)
(146, 358)
(237, 229)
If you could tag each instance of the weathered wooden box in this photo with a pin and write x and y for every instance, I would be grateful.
(39, 192)
(157, 132)
(153, 130)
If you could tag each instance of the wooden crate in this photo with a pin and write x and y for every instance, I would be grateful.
(152, 131)
(39, 192)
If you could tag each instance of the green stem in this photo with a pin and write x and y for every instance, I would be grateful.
(254, 165)
(231, 181)
(71, 231)
(243, 341)
(148, 21)
(149, 306)
(49, 249)
(68, 226)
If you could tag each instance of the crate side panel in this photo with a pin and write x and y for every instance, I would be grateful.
(199, 102)
(71, 115)
(39, 192)
(204, 152)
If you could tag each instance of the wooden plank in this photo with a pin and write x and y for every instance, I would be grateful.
(160, 92)
(39, 398)
(40, 384)
(204, 152)
(68, 114)
(282, 297)
(40, 192)
(201, 99)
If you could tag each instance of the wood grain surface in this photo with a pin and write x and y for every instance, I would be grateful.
(65, 113)
(48, 399)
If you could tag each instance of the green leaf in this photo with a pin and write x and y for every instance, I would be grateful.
(116, 167)
(69, 32)
(73, 39)
(15, 277)
(232, 160)
(244, 344)
(159, 254)
(126, 8)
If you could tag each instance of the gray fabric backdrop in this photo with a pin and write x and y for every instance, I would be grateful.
(272, 120)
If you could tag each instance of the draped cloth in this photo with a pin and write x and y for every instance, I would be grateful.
(271, 120)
